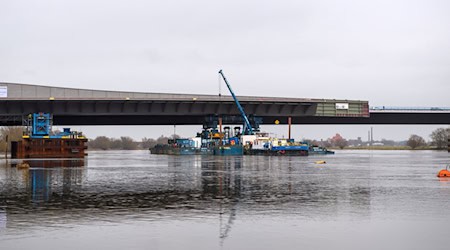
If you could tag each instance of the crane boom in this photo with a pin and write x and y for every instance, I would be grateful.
(247, 126)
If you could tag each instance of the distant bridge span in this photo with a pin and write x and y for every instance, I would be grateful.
(94, 107)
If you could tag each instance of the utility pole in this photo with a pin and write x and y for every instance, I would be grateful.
(220, 131)
(174, 131)
(371, 136)
(6, 148)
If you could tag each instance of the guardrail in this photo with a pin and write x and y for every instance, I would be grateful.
(409, 109)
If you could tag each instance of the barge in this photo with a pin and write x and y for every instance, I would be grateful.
(39, 141)
(212, 141)
(262, 144)
(258, 144)
(209, 142)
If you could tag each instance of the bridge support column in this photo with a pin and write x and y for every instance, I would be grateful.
(289, 127)
(220, 130)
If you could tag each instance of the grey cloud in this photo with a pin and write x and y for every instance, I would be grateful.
(388, 52)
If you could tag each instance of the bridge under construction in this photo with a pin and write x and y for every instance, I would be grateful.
(71, 106)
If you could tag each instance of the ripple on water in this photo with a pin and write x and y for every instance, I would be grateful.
(127, 190)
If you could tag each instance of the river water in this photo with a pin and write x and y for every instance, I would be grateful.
(135, 200)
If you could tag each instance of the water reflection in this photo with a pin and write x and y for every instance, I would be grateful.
(230, 203)
(45, 179)
(222, 180)
(220, 183)
(156, 187)
(27, 192)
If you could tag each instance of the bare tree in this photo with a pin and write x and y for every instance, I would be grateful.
(175, 136)
(128, 143)
(162, 140)
(101, 142)
(116, 143)
(13, 133)
(326, 144)
(148, 143)
(440, 137)
(416, 141)
(339, 141)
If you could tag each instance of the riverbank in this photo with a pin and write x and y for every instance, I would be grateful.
(387, 148)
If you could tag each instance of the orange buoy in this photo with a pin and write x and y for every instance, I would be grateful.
(444, 172)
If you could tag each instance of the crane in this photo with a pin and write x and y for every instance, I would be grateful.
(248, 130)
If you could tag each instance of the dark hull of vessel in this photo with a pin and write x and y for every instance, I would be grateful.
(276, 152)
(219, 150)
(320, 151)
(48, 148)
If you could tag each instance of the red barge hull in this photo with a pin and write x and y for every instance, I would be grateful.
(49, 148)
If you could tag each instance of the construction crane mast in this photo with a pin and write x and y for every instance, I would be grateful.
(248, 130)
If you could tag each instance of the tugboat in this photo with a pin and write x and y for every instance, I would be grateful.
(317, 150)
(263, 144)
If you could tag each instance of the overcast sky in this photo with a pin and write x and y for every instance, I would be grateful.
(391, 53)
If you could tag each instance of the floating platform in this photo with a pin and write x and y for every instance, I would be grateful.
(39, 141)
(48, 148)
(51, 163)
(167, 149)
(276, 152)
(218, 150)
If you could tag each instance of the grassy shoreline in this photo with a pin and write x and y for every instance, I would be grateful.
(386, 148)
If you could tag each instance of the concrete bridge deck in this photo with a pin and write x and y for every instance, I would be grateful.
(71, 106)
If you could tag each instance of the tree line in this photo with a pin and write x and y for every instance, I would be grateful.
(14, 133)
(126, 143)
(439, 140)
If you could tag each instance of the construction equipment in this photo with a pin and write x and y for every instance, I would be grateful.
(39, 125)
(212, 121)
(248, 130)
(39, 141)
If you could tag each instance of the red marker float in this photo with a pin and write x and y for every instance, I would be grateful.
(444, 172)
